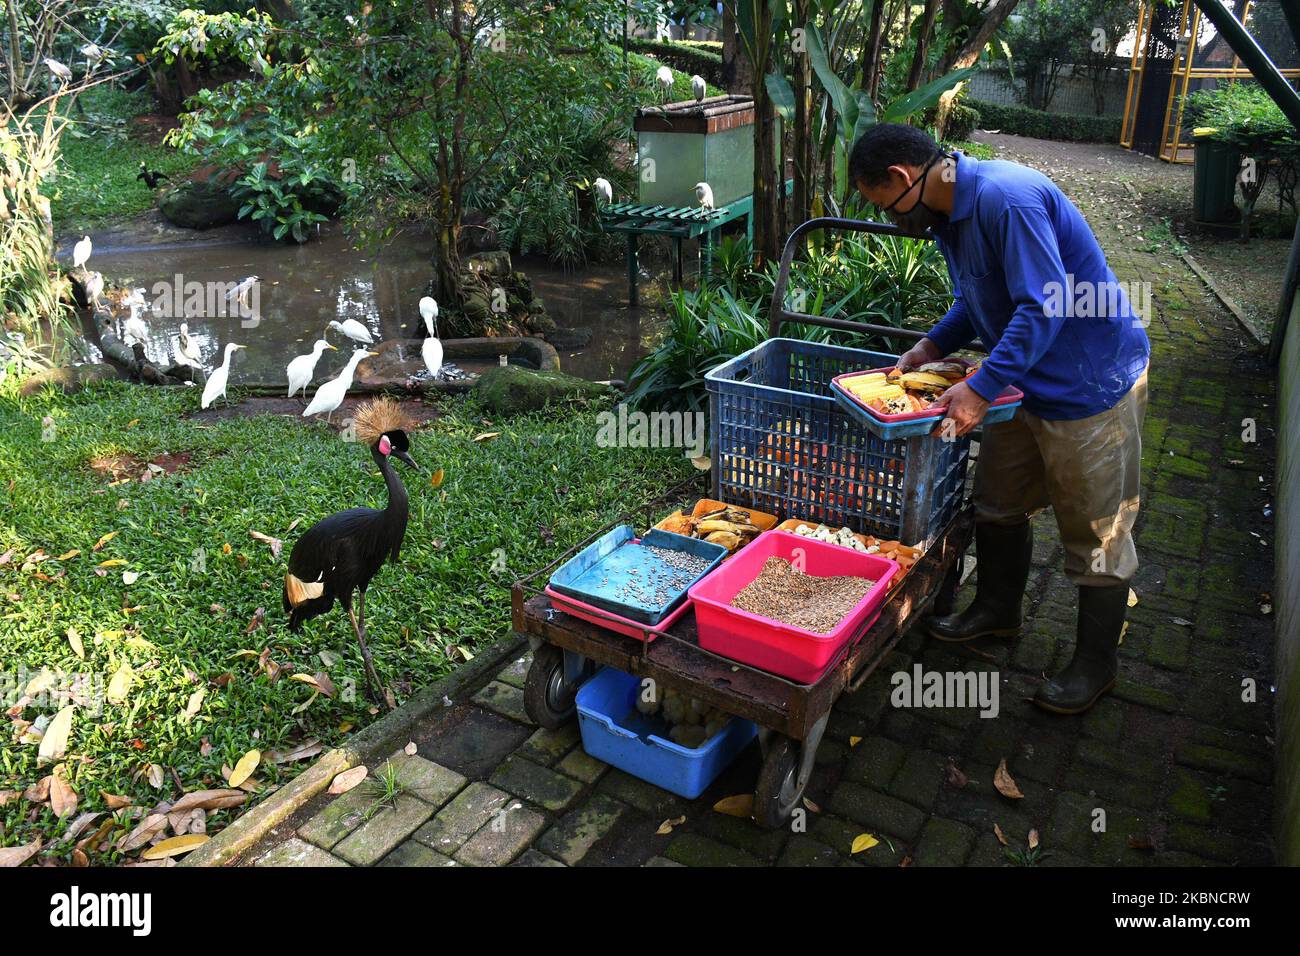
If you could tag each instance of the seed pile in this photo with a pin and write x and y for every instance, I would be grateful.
(785, 594)
(654, 586)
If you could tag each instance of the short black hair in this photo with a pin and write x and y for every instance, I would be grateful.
(885, 145)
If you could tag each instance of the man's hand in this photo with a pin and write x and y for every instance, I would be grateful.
(920, 353)
(965, 410)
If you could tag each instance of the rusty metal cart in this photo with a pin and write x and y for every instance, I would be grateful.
(792, 717)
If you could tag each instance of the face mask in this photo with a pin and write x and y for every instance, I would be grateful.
(920, 218)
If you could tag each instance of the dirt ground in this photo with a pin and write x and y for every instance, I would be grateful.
(1151, 200)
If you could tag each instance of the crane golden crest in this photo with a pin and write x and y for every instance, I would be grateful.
(379, 417)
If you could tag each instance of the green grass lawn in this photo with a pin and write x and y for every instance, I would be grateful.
(182, 625)
(96, 181)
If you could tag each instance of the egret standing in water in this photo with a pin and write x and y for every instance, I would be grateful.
(330, 395)
(216, 386)
(301, 369)
(431, 350)
(353, 330)
(81, 252)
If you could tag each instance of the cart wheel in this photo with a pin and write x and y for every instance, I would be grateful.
(778, 792)
(547, 699)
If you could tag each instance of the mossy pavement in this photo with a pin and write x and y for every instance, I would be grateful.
(1173, 768)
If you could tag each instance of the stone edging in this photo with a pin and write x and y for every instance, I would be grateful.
(372, 742)
(1225, 300)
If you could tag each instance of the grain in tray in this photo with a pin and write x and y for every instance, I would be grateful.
(783, 593)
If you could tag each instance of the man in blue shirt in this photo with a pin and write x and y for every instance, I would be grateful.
(1031, 283)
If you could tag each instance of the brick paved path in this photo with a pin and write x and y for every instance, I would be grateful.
(1177, 760)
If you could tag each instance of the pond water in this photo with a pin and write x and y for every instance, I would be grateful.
(303, 287)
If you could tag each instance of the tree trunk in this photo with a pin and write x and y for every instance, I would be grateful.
(766, 181)
(922, 45)
(16, 79)
(737, 75)
(871, 49)
(805, 171)
(969, 52)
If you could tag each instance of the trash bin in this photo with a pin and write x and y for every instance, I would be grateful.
(1214, 179)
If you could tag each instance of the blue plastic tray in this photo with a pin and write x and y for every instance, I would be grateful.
(913, 428)
(614, 731)
(601, 573)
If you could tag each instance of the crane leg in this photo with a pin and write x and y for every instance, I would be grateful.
(359, 624)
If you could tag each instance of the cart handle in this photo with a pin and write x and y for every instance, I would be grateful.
(777, 313)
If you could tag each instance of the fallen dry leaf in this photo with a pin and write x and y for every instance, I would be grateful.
(741, 805)
(104, 539)
(1141, 842)
(63, 799)
(863, 841)
(74, 641)
(997, 832)
(119, 685)
(154, 774)
(245, 767)
(308, 748)
(55, 742)
(148, 828)
(1132, 598)
(18, 855)
(275, 543)
(435, 480)
(192, 707)
(854, 741)
(1033, 839)
(955, 777)
(258, 617)
(174, 847)
(486, 436)
(208, 800)
(348, 779)
(667, 826)
(1004, 783)
(115, 802)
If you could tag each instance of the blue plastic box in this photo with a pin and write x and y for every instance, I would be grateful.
(913, 427)
(599, 572)
(614, 731)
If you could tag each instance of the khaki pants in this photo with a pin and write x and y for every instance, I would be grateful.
(1088, 470)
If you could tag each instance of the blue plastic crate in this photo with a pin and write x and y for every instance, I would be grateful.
(913, 428)
(614, 731)
(783, 444)
(600, 572)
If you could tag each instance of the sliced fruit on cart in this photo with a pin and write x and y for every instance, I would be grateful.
(718, 523)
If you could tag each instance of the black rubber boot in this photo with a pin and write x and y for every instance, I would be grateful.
(1003, 554)
(1095, 665)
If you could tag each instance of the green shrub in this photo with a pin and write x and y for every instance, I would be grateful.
(1023, 121)
(686, 56)
(1243, 115)
(962, 121)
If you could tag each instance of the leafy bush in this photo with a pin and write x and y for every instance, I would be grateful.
(1243, 115)
(1023, 121)
(963, 120)
(882, 280)
(685, 56)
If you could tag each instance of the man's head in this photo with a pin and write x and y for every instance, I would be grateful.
(893, 166)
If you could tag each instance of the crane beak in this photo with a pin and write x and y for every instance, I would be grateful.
(334, 347)
(406, 458)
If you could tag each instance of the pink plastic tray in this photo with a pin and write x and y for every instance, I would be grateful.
(1009, 394)
(614, 622)
(789, 651)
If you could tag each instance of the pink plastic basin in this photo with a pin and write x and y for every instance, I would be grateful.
(789, 651)
(614, 622)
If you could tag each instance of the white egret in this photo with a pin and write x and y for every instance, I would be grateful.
(698, 87)
(189, 348)
(178, 354)
(61, 72)
(704, 193)
(353, 330)
(664, 76)
(604, 191)
(330, 395)
(301, 369)
(136, 329)
(216, 386)
(81, 252)
(431, 350)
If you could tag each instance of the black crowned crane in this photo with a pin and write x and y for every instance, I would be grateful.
(342, 553)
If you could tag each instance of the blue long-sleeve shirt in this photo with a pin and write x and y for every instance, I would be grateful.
(1031, 282)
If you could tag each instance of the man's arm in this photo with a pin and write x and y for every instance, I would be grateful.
(1032, 264)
